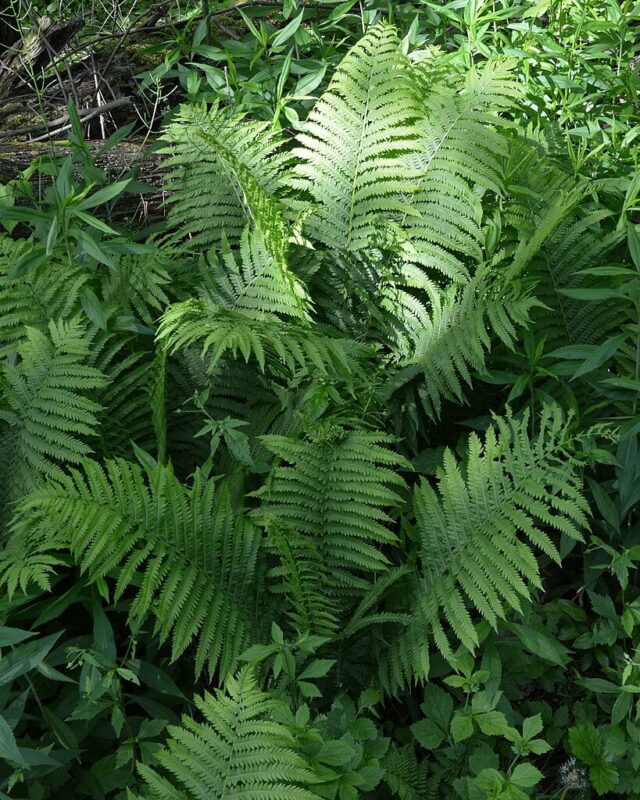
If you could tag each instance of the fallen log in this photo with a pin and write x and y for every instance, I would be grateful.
(41, 44)
(84, 114)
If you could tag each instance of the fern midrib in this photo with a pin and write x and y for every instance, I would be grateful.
(356, 173)
(420, 181)
(228, 773)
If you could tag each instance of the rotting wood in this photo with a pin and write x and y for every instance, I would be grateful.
(34, 51)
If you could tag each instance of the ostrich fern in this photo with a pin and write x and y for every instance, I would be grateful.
(336, 489)
(478, 533)
(191, 560)
(47, 416)
(353, 158)
(239, 750)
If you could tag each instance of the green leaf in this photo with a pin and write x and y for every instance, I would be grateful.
(24, 658)
(90, 246)
(428, 734)
(63, 732)
(258, 652)
(9, 750)
(288, 31)
(335, 753)
(461, 726)
(10, 636)
(586, 743)
(93, 308)
(600, 355)
(526, 775)
(309, 82)
(621, 708)
(532, 726)
(318, 668)
(603, 777)
(541, 644)
(28, 263)
(96, 223)
(492, 723)
(104, 195)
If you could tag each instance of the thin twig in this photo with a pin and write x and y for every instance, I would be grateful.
(85, 116)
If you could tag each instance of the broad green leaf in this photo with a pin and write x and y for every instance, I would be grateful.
(24, 658)
(9, 750)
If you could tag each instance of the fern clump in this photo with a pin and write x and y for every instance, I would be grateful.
(479, 531)
(323, 482)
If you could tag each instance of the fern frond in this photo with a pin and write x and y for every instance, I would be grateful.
(452, 339)
(404, 774)
(463, 148)
(219, 331)
(255, 283)
(337, 489)
(581, 242)
(51, 291)
(238, 751)
(47, 414)
(224, 170)
(479, 529)
(137, 286)
(301, 577)
(354, 151)
(187, 560)
(126, 415)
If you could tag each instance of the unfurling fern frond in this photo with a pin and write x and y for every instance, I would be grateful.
(451, 340)
(238, 751)
(219, 331)
(224, 170)
(462, 148)
(189, 560)
(354, 152)
(337, 489)
(478, 532)
(255, 282)
(47, 416)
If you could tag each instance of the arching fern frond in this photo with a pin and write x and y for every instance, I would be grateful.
(47, 415)
(137, 286)
(337, 489)
(238, 751)
(224, 170)
(255, 282)
(453, 338)
(184, 554)
(478, 532)
(219, 331)
(354, 151)
(463, 147)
